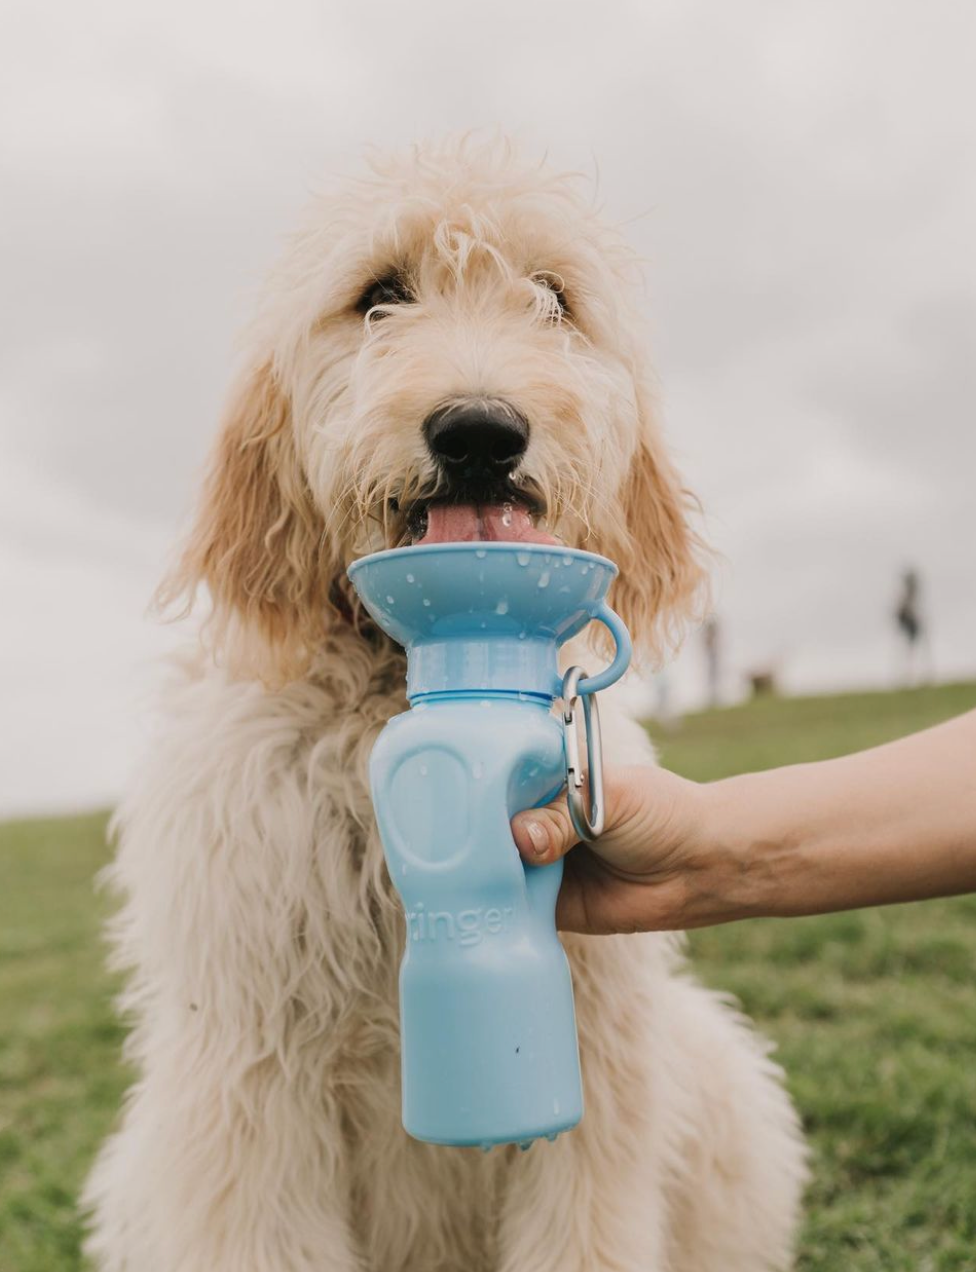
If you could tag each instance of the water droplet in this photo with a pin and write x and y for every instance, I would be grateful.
(423, 770)
(567, 559)
(555, 1106)
(551, 1136)
(564, 589)
(523, 558)
(522, 634)
(486, 1147)
(483, 626)
(525, 1145)
(426, 601)
(544, 578)
(523, 697)
(485, 702)
(390, 601)
(411, 579)
(502, 606)
(480, 553)
(477, 770)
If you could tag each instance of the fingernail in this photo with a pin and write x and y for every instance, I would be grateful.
(538, 837)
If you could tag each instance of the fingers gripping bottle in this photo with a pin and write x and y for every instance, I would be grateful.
(488, 1029)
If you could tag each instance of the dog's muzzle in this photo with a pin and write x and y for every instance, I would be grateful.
(477, 444)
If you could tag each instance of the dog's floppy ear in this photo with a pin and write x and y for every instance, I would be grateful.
(662, 580)
(258, 542)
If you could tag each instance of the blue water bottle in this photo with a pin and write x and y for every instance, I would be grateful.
(488, 1029)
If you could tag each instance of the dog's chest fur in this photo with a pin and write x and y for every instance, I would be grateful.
(262, 938)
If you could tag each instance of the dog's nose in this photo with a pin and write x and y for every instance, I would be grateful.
(477, 439)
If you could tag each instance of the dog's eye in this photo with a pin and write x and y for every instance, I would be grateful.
(392, 289)
(555, 284)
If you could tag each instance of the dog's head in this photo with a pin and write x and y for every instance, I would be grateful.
(452, 335)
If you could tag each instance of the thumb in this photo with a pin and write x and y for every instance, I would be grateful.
(543, 835)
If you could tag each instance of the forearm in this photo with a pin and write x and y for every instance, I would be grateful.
(896, 823)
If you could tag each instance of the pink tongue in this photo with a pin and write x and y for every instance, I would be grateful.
(490, 523)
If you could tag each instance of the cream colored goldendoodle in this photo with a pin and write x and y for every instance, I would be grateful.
(258, 927)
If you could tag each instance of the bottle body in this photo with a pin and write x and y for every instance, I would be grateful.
(488, 1032)
(488, 1029)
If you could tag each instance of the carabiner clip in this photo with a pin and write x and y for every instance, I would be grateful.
(588, 826)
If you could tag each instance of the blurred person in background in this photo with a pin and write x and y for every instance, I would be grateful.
(712, 642)
(912, 629)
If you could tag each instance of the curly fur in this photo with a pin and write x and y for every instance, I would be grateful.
(258, 926)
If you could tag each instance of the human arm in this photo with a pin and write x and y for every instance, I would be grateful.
(895, 823)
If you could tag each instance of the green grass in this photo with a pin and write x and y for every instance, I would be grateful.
(874, 1013)
(60, 1075)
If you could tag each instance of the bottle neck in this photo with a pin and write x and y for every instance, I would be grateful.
(543, 700)
(516, 666)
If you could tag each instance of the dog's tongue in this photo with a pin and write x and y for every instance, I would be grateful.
(491, 523)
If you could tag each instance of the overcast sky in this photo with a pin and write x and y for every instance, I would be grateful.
(799, 177)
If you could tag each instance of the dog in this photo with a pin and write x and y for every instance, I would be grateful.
(258, 926)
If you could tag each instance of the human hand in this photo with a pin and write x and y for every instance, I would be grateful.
(656, 866)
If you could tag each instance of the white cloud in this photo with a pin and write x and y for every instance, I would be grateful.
(797, 178)
(77, 653)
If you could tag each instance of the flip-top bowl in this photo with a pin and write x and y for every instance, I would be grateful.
(482, 616)
(439, 590)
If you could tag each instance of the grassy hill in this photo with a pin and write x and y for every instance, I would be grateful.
(874, 1013)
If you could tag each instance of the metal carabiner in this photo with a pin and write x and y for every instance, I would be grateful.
(588, 826)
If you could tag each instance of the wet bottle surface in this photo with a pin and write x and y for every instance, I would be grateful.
(487, 1019)
(489, 1050)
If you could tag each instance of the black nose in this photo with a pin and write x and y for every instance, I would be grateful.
(477, 439)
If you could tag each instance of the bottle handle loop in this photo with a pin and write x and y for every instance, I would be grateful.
(621, 659)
